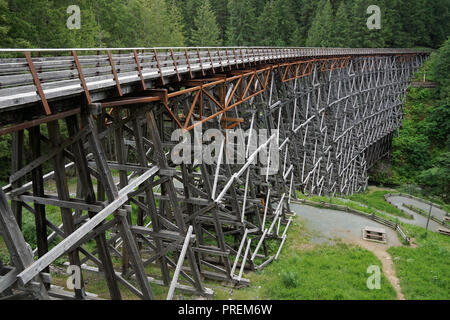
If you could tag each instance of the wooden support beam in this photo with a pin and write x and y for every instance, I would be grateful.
(21, 256)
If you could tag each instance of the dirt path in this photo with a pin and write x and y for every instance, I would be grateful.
(386, 262)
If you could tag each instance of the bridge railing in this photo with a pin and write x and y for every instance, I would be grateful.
(43, 74)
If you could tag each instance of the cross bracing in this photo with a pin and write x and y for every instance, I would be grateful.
(109, 116)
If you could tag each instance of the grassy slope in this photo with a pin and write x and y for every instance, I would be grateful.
(375, 199)
(423, 271)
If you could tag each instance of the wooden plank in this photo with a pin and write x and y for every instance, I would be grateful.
(70, 204)
(244, 260)
(63, 194)
(86, 184)
(37, 83)
(16, 165)
(38, 191)
(180, 263)
(120, 153)
(6, 281)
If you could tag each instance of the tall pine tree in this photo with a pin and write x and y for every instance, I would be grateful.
(189, 10)
(342, 32)
(286, 21)
(242, 23)
(321, 32)
(205, 31)
(4, 23)
(360, 35)
(267, 33)
(304, 12)
(176, 26)
(220, 8)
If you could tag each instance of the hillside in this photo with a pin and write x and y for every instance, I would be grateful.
(420, 158)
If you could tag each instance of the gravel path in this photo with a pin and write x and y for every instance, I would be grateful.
(419, 219)
(337, 224)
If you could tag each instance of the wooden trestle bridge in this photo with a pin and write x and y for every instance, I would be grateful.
(104, 118)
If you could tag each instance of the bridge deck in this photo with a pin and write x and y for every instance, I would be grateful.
(61, 73)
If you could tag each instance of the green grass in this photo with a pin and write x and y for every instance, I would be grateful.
(305, 271)
(375, 199)
(4, 255)
(423, 271)
(29, 227)
(327, 272)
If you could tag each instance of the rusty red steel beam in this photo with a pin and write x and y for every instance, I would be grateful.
(307, 66)
(36, 122)
(114, 72)
(139, 69)
(81, 77)
(163, 96)
(37, 83)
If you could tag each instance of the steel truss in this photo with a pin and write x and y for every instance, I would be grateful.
(135, 210)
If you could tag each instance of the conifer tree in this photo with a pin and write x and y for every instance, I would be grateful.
(267, 33)
(342, 31)
(361, 35)
(297, 38)
(118, 22)
(4, 22)
(286, 20)
(438, 24)
(242, 22)
(189, 9)
(392, 29)
(220, 8)
(205, 31)
(155, 28)
(176, 27)
(321, 32)
(439, 71)
(304, 12)
(88, 34)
